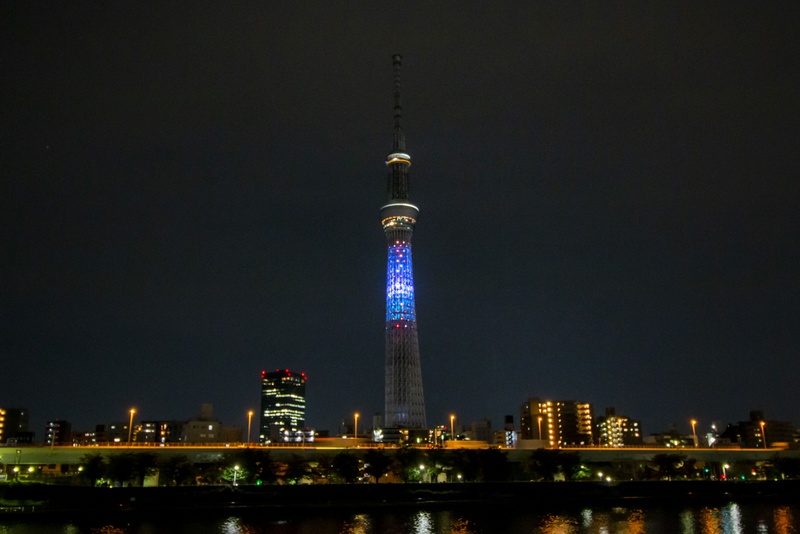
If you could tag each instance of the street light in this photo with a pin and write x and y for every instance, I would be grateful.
(694, 431)
(763, 435)
(355, 425)
(130, 426)
(249, 419)
(452, 427)
(540, 426)
(235, 473)
(725, 471)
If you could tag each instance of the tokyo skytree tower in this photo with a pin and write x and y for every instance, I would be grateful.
(404, 399)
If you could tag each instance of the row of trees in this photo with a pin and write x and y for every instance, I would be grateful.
(257, 466)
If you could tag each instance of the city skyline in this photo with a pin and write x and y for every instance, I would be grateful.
(609, 192)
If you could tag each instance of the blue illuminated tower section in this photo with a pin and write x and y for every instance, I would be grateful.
(404, 398)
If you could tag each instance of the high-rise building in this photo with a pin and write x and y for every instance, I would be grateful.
(559, 423)
(283, 406)
(58, 433)
(404, 398)
(13, 423)
(617, 430)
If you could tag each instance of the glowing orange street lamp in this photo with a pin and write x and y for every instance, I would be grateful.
(355, 425)
(694, 431)
(452, 427)
(130, 425)
(540, 426)
(249, 419)
(763, 435)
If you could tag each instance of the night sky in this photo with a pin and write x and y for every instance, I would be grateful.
(609, 206)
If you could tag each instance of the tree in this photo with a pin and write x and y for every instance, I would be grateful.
(437, 461)
(406, 464)
(345, 466)
(258, 464)
(668, 465)
(493, 465)
(122, 468)
(322, 467)
(176, 470)
(376, 464)
(787, 467)
(467, 464)
(543, 464)
(234, 474)
(93, 468)
(570, 464)
(296, 469)
(145, 464)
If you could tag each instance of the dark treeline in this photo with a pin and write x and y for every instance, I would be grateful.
(256, 466)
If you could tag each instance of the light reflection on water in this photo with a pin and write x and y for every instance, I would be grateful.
(704, 520)
(423, 523)
(558, 524)
(358, 525)
(668, 519)
(785, 521)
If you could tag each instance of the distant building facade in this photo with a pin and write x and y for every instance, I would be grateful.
(559, 423)
(758, 433)
(480, 430)
(283, 407)
(204, 428)
(202, 432)
(614, 430)
(89, 437)
(508, 437)
(158, 432)
(14, 425)
(58, 433)
(114, 432)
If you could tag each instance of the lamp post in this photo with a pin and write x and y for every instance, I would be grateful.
(235, 473)
(249, 420)
(355, 425)
(763, 435)
(725, 471)
(540, 426)
(452, 427)
(130, 425)
(694, 431)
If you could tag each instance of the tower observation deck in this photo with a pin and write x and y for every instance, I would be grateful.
(404, 398)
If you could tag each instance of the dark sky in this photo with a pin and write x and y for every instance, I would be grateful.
(609, 206)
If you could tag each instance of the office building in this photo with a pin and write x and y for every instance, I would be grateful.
(283, 407)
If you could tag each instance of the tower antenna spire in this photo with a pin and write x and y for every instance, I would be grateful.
(399, 142)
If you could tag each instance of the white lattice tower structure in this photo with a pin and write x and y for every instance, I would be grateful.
(404, 398)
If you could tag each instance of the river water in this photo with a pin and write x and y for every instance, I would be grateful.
(731, 518)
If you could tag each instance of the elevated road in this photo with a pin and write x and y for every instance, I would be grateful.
(45, 455)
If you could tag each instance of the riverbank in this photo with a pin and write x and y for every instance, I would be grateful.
(46, 499)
